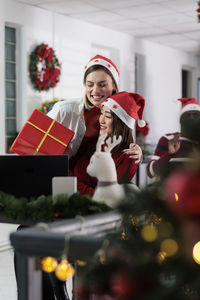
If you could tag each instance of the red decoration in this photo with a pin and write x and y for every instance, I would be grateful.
(42, 135)
(44, 68)
(144, 130)
(198, 11)
(122, 286)
(182, 191)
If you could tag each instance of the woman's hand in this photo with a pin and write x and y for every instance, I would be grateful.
(134, 152)
(174, 144)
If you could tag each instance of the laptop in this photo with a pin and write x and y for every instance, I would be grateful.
(30, 175)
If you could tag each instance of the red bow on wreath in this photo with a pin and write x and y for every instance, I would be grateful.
(198, 11)
(44, 68)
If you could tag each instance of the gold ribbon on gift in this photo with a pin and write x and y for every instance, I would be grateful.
(46, 133)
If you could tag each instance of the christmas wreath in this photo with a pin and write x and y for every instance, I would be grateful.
(44, 68)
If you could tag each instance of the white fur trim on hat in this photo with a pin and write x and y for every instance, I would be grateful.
(169, 137)
(190, 107)
(108, 65)
(120, 112)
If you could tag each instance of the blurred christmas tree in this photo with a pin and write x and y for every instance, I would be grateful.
(156, 253)
(47, 105)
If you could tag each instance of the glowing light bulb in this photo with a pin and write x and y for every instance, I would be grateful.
(64, 270)
(149, 233)
(169, 246)
(49, 264)
(196, 252)
(176, 197)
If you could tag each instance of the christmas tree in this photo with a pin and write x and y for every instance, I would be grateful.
(156, 253)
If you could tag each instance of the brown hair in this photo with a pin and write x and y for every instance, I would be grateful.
(120, 128)
(87, 104)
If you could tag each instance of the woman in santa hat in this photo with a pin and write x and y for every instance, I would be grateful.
(118, 116)
(101, 78)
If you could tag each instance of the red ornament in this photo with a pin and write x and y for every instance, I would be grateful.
(122, 286)
(182, 191)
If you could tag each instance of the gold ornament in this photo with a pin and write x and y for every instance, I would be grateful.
(134, 220)
(156, 219)
(64, 270)
(124, 236)
(161, 256)
(49, 264)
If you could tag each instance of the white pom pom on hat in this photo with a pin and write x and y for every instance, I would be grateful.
(128, 107)
(105, 62)
(141, 123)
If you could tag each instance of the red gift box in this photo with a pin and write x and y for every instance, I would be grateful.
(42, 135)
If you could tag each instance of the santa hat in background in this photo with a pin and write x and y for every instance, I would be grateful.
(105, 62)
(189, 104)
(128, 107)
(144, 130)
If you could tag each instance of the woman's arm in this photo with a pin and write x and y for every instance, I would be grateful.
(126, 167)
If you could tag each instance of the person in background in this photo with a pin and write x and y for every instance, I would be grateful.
(118, 115)
(175, 147)
(101, 78)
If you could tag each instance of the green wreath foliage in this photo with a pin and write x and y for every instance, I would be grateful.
(44, 68)
(47, 209)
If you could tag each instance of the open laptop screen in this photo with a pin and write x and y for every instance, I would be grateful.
(30, 175)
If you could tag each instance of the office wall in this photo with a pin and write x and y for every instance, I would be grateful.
(162, 71)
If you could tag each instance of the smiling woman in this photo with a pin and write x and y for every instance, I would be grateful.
(101, 79)
(117, 119)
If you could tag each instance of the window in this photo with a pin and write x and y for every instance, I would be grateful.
(139, 73)
(186, 83)
(10, 88)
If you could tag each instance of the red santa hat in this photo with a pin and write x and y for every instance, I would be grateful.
(128, 107)
(189, 104)
(107, 63)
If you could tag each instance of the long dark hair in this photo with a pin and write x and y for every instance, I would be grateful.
(120, 128)
(87, 104)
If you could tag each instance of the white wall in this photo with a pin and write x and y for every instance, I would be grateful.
(162, 85)
(75, 42)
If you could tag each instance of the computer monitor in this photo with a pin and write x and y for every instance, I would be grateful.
(30, 175)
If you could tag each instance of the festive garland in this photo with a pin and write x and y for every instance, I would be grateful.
(45, 208)
(44, 68)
